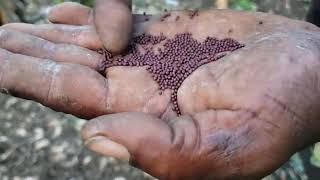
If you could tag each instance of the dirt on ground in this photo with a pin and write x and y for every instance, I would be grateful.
(37, 143)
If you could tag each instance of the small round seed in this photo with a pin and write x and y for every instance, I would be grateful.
(173, 63)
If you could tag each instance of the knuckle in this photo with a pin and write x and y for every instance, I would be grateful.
(4, 35)
(53, 70)
(4, 63)
(77, 36)
(186, 135)
(91, 128)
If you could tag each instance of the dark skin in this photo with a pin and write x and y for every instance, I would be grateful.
(242, 116)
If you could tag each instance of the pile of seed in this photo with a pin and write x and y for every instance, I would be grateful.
(171, 64)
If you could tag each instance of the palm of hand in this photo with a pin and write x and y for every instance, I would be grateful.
(234, 110)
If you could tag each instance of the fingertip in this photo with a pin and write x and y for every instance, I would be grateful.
(139, 138)
(90, 129)
(71, 13)
(11, 25)
(116, 33)
(107, 147)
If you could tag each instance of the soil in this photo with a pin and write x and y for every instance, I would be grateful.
(37, 143)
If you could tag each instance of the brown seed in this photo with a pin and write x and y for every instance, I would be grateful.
(172, 64)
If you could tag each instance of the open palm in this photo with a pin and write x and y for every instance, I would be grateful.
(242, 116)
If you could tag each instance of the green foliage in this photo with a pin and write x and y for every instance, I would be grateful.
(85, 2)
(178, 4)
(247, 5)
(315, 159)
(150, 6)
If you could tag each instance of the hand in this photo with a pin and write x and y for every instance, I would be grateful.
(112, 19)
(243, 116)
(56, 64)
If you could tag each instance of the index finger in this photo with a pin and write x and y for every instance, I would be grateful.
(83, 36)
(71, 13)
(76, 14)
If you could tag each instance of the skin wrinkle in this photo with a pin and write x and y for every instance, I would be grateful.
(109, 104)
(244, 132)
(50, 48)
(225, 69)
(258, 117)
(144, 107)
(308, 93)
(172, 132)
(316, 43)
(285, 108)
(219, 145)
(90, 15)
(167, 109)
(178, 138)
(252, 116)
(299, 126)
(233, 145)
(54, 70)
(100, 65)
(4, 36)
(76, 35)
(198, 139)
(106, 86)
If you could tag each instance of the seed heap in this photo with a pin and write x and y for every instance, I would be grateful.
(175, 61)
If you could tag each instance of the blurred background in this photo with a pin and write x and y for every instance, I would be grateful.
(37, 143)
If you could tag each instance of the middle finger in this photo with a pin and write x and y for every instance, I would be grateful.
(26, 44)
(84, 36)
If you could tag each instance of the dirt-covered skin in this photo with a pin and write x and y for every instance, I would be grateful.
(262, 99)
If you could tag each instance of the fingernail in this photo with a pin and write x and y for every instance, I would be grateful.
(105, 146)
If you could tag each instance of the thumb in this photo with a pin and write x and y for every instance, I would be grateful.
(135, 137)
(146, 141)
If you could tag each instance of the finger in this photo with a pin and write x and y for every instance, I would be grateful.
(84, 36)
(114, 23)
(165, 150)
(128, 136)
(69, 88)
(207, 145)
(26, 44)
(71, 13)
(76, 14)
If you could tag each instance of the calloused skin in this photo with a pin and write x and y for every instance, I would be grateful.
(242, 116)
